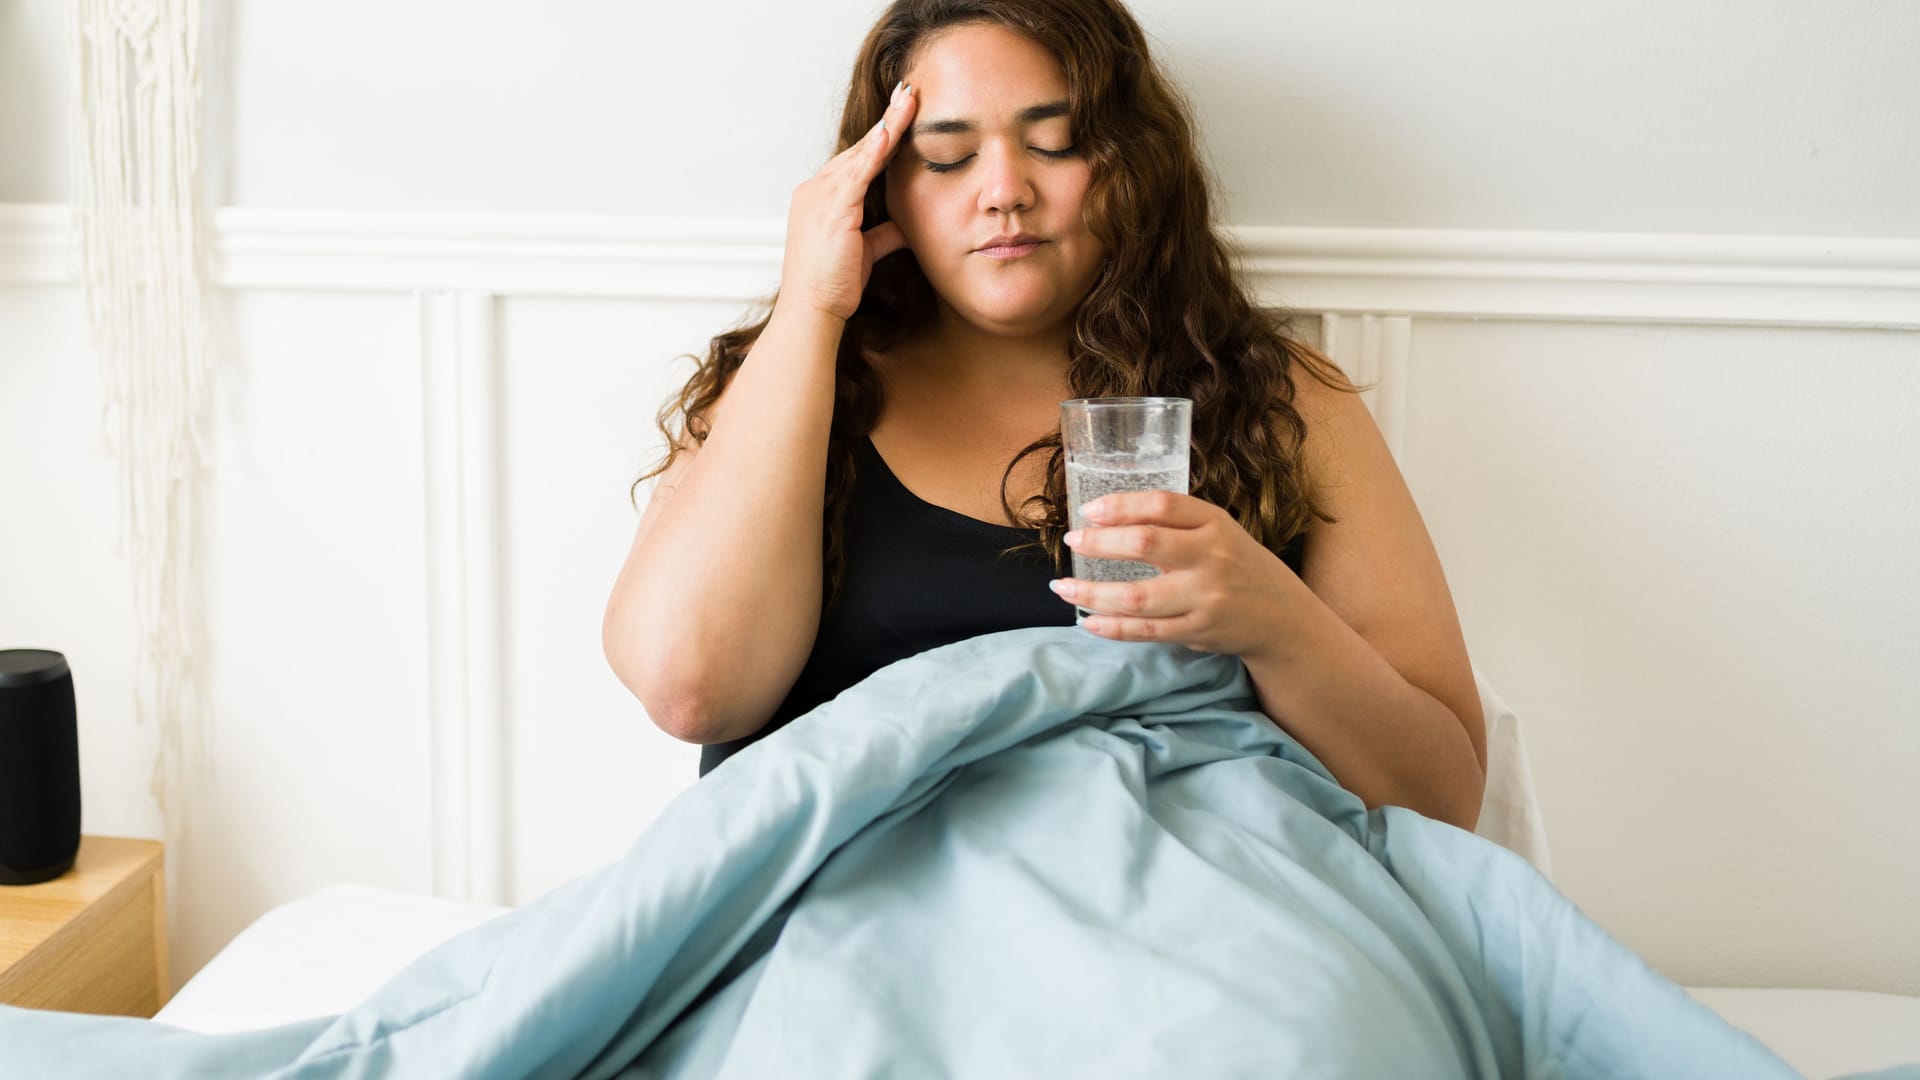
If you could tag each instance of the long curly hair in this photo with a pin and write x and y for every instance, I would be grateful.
(1168, 315)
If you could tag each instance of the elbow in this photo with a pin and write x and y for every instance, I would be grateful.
(1454, 812)
(1461, 806)
(680, 715)
(686, 722)
(1465, 816)
(1454, 793)
(1473, 780)
(1458, 815)
(673, 707)
(1452, 798)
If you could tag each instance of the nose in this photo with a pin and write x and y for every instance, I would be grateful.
(1006, 181)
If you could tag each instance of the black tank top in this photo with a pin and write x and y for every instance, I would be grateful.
(917, 576)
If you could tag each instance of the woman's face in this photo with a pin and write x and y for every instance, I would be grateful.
(991, 154)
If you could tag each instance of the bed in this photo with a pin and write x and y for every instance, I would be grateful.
(323, 953)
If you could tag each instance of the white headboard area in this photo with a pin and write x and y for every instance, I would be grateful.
(1671, 478)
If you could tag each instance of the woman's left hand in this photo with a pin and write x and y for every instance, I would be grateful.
(1219, 590)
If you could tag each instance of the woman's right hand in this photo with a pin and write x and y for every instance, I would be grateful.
(828, 259)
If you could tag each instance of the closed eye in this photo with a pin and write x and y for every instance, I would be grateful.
(941, 167)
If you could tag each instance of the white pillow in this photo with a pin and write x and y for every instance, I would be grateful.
(1509, 812)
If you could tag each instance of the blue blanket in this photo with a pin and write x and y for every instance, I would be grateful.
(1035, 853)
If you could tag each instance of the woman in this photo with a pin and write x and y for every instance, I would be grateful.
(1017, 216)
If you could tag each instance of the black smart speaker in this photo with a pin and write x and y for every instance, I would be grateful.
(39, 767)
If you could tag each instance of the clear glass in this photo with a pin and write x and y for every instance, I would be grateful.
(1122, 444)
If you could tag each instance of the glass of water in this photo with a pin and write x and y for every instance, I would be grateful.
(1121, 444)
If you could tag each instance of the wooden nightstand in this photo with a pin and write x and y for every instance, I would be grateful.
(92, 940)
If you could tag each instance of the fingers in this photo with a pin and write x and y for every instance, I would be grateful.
(1151, 610)
(883, 240)
(1152, 544)
(892, 129)
(1165, 507)
(1121, 628)
(870, 155)
(1153, 598)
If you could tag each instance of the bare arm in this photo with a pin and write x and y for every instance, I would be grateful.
(717, 607)
(1360, 656)
(1376, 681)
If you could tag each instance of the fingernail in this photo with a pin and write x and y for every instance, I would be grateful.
(1072, 537)
(894, 98)
(1060, 586)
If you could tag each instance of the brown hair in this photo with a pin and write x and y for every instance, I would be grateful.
(1168, 315)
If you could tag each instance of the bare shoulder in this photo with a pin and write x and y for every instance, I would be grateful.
(1375, 564)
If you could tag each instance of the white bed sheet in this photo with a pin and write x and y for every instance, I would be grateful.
(317, 955)
(327, 951)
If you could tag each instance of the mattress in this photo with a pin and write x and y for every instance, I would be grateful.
(327, 951)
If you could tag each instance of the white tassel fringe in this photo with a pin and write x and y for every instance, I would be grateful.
(137, 218)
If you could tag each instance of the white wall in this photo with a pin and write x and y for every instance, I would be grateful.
(1678, 550)
(1704, 116)
(1687, 555)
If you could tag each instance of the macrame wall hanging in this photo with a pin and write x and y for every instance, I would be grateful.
(137, 227)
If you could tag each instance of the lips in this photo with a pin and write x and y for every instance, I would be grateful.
(1009, 247)
(1010, 243)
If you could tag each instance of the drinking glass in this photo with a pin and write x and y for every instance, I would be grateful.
(1121, 444)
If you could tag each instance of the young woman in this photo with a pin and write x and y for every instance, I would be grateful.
(1018, 215)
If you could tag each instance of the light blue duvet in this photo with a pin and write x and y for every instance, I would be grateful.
(1035, 853)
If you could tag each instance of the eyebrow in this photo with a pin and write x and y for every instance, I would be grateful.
(1030, 114)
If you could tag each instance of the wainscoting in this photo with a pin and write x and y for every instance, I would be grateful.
(1672, 479)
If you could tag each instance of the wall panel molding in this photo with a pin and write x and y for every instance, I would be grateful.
(1445, 273)
(1590, 277)
(1374, 349)
(460, 445)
